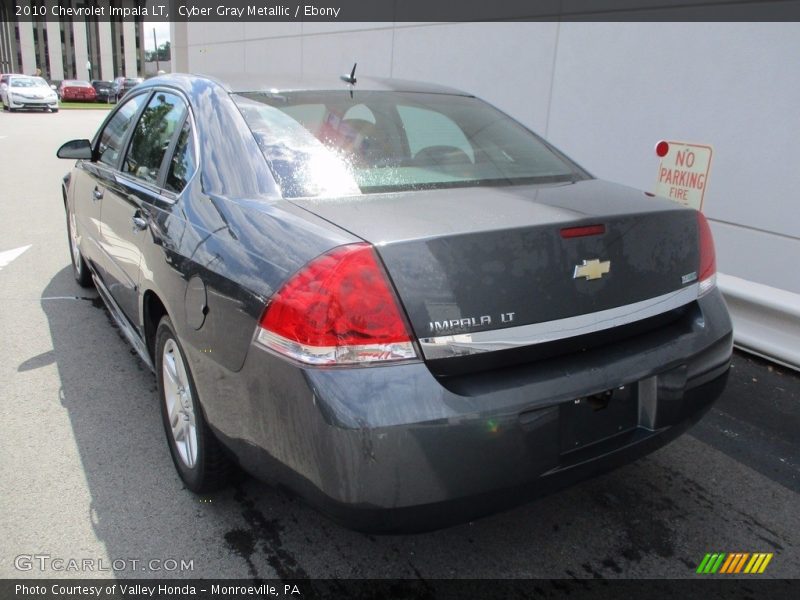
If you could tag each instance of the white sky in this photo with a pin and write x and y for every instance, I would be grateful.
(162, 33)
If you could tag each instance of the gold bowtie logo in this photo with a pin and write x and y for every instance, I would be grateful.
(592, 269)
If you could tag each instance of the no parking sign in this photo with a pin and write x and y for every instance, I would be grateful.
(683, 172)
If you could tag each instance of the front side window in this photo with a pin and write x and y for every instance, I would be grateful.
(334, 143)
(152, 136)
(113, 135)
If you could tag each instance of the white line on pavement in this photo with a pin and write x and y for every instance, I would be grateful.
(9, 255)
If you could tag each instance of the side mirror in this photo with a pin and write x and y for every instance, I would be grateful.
(77, 149)
(52, 87)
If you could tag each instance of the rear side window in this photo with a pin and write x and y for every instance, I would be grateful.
(183, 163)
(152, 136)
(113, 135)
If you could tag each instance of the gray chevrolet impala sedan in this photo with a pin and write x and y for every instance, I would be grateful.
(389, 297)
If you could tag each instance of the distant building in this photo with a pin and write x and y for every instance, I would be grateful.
(61, 49)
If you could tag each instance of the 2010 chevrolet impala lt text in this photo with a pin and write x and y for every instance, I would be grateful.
(389, 297)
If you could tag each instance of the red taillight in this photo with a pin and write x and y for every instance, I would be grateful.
(708, 259)
(338, 309)
(583, 231)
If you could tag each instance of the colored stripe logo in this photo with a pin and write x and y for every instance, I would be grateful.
(734, 562)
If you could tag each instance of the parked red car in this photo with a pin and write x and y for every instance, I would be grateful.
(74, 90)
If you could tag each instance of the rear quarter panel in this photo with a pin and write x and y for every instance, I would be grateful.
(229, 230)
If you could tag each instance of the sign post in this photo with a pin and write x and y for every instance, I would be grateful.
(683, 172)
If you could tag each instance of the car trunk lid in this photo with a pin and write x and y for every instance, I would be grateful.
(471, 260)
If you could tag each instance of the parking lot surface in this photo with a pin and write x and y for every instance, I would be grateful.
(86, 473)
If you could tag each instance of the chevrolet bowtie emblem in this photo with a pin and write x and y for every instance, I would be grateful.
(592, 269)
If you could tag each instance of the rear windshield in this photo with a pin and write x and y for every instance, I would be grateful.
(329, 143)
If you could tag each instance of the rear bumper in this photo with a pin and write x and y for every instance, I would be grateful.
(395, 448)
(459, 509)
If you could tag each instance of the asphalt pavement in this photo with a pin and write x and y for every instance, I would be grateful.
(85, 472)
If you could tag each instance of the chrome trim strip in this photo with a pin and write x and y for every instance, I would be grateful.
(446, 346)
(123, 323)
(336, 356)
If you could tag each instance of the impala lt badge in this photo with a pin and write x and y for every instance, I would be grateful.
(592, 269)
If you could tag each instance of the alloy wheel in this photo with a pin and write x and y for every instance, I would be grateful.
(73, 245)
(179, 404)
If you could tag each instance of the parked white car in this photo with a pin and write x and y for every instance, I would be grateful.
(24, 91)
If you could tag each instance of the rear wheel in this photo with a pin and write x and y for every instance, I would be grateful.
(197, 455)
(80, 269)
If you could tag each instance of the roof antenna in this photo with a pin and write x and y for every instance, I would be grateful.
(351, 79)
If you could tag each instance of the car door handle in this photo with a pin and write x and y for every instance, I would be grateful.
(97, 194)
(139, 223)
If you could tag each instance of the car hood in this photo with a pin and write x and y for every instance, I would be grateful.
(41, 89)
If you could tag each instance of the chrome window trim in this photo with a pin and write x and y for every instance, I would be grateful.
(446, 346)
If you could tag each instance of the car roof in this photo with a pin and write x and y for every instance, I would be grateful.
(256, 82)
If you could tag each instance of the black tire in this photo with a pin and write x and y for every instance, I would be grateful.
(80, 270)
(211, 469)
(54, 110)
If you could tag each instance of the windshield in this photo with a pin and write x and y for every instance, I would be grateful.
(329, 143)
(27, 82)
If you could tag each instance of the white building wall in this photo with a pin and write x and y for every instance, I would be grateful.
(129, 44)
(178, 46)
(605, 93)
(81, 49)
(26, 46)
(54, 52)
(106, 65)
(129, 50)
(723, 84)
